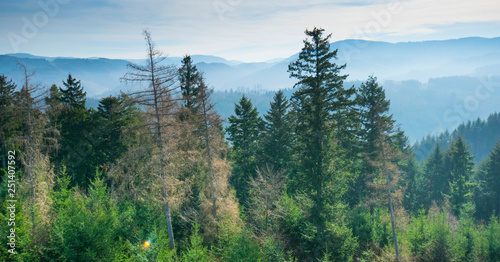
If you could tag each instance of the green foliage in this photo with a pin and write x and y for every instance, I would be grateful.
(239, 247)
(196, 252)
(481, 135)
(85, 226)
(459, 164)
(277, 134)
(189, 79)
(244, 128)
(493, 235)
(416, 196)
(73, 94)
(419, 236)
(440, 248)
(320, 102)
(437, 178)
(24, 248)
(487, 179)
(309, 178)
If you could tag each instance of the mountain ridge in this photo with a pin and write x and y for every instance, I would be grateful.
(424, 80)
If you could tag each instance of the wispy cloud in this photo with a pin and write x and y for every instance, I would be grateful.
(236, 29)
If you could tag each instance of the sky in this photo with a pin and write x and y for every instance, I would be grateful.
(243, 30)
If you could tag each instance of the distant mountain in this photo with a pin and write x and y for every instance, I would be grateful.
(432, 85)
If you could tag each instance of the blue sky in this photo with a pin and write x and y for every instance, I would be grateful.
(246, 30)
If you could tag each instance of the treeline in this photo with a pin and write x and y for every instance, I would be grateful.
(481, 135)
(324, 175)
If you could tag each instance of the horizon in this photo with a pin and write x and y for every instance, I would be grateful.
(234, 29)
(270, 60)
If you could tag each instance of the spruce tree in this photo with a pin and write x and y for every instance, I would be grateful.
(459, 169)
(382, 145)
(244, 128)
(320, 103)
(75, 127)
(189, 79)
(277, 135)
(7, 115)
(436, 178)
(493, 178)
(73, 94)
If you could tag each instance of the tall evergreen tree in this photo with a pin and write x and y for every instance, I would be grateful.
(244, 128)
(492, 179)
(460, 164)
(277, 136)
(320, 103)
(7, 115)
(189, 79)
(382, 145)
(416, 186)
(73, 94)
(436, 179)
(113, 117)
(75, 128)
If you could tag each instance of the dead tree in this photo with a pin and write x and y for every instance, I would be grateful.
(158, 97)
(210, 120)
(30, 99)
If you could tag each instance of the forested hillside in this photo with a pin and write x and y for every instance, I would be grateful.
(480, 135)
(324, 174)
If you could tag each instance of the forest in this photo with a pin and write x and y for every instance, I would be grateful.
(154, 175)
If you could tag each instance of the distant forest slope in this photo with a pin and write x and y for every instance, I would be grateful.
(480, 135)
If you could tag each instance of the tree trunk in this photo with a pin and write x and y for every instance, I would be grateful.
(166, 207)
(209, 162)
(393, 224)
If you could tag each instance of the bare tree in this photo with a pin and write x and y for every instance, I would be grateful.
(31, 97)
(157, 96)
(210, 122)
(265, 195)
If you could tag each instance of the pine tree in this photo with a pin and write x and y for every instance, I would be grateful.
(244, 128)
(460, 164)
(277, 135)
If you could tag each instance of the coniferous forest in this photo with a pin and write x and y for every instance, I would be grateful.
(153, 175)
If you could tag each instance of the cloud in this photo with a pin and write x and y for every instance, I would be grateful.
(236, 29)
